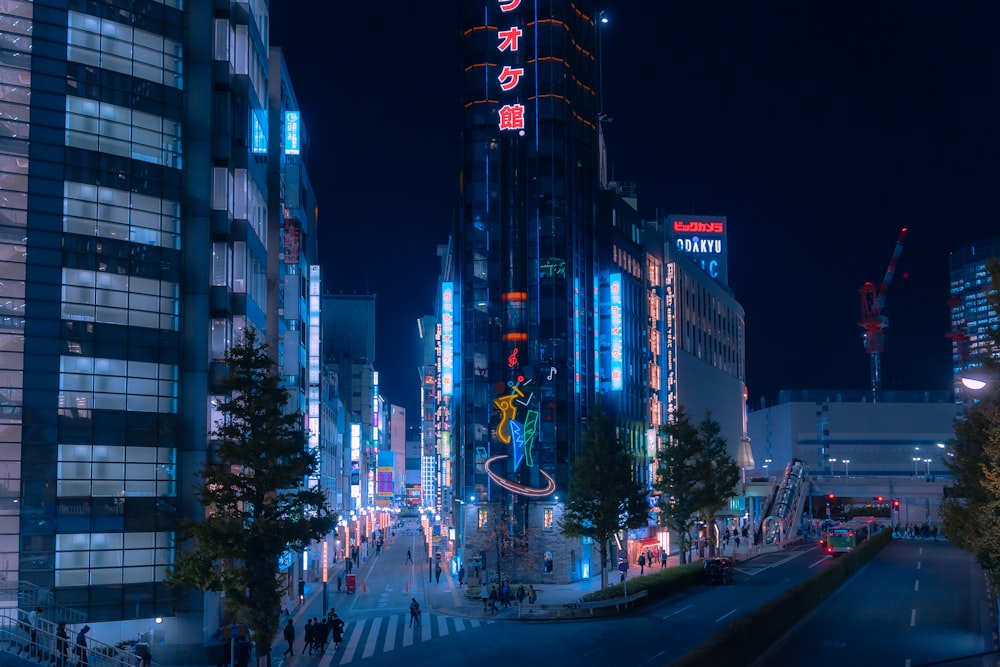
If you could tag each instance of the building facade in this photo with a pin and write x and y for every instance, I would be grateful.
(972, 317)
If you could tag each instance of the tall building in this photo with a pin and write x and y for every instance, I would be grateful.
(138, 242)
(971, 315)
(523, 250)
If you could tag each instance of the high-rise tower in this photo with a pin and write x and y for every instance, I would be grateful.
(524, 282)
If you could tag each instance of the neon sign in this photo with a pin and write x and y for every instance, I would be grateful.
(511, 114)
(447, 339)
(520, 435)
(292, 133)
(704, 240)
(617, 340)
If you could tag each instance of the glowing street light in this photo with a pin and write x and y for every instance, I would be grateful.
(916, 462)
(846, 462)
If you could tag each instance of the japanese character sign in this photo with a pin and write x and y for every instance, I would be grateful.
(511, 113)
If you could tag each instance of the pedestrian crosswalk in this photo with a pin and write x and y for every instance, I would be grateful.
(384, 634)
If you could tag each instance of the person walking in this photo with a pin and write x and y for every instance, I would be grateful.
(337, 628)
(663, 558)
(307, 637)
(414, 612)
(521, 594)
(484, 593)
(322, 635)
(409, 557)
(437, 573)
(505, 594)
(532, 593)
(642, 564)
(34, 621)
(494, 596)
(82, 654)
(461, 576)
(289, 637)
(62, 645)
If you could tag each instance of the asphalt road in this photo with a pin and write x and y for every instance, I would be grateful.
(918, 602)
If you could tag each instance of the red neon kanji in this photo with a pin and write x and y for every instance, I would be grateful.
(512, 117)
(508, 39)
(509, 76)
(509, 5)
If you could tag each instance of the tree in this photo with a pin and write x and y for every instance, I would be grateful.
(605, 497)
(971, 509)
(256, 506)
(498, 537)
(696, 476)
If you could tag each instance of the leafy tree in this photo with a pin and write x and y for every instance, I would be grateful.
(695, 478)
(971, 509)
(605, 497)
(256, 506)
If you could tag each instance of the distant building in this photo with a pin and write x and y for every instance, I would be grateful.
(971, 314)
(897, 436)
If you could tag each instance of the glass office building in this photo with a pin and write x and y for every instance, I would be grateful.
(134, 248)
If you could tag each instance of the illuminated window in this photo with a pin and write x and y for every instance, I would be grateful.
(547, 518)
(483, 515)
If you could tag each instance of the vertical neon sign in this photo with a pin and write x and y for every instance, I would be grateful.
(291, 133)
(577, 326)
(617, 363)
(511, 114)
(447, 339)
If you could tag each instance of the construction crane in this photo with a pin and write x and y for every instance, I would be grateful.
(873, 321)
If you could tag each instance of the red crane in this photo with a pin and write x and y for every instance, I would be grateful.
(873, 321)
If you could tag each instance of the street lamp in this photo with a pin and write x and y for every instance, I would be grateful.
(916, 462)
(928, 462)
(846, 461)
(831, 461)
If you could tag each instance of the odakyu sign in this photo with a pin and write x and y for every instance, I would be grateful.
(703, 238)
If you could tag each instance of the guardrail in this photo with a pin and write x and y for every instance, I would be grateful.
(557, 610)
(46, 648)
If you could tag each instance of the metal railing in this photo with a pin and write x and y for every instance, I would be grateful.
(46, 648)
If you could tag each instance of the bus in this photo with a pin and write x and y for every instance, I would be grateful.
(849, 535)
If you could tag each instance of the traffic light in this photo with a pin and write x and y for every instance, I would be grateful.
(879, 499)
(830, 496)
(895, 503)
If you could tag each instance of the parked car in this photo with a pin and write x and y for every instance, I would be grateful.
(718, 570)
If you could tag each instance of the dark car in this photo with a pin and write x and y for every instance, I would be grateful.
(718, 570)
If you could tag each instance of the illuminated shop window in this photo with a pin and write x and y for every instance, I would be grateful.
(483, 515)
(548, 515)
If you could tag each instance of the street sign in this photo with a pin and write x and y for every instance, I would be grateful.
(437, 556)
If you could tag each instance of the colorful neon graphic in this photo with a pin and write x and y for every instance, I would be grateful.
(617, 340)
(520, 435)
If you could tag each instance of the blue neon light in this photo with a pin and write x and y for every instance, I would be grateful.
(448, 338)
(617, 345)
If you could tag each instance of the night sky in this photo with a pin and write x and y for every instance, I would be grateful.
(818, 129)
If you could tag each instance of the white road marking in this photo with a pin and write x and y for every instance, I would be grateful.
(726, 614)
(372, 639)
(916, 585)
(674, 613)
(913, 618)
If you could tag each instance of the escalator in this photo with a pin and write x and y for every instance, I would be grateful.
(781, 516)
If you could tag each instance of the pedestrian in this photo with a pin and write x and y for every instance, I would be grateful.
(340, 581)
(494, 596)
(663, 558)
(532, 594)
(642, 564)
(289, 637)
(307, 637)
(337, 628)
(414, 612)
(484, 593)
(82, 654)
(34, 621)
(409, 557)
(62, 645)
(737, 538)
(322, 635)
(649, 558)
(505, 594)
(437, 573)
(461, 576)
(521, 594)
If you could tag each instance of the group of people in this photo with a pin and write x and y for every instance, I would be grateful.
(33, 626)
(491, 596)
(316, 634)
